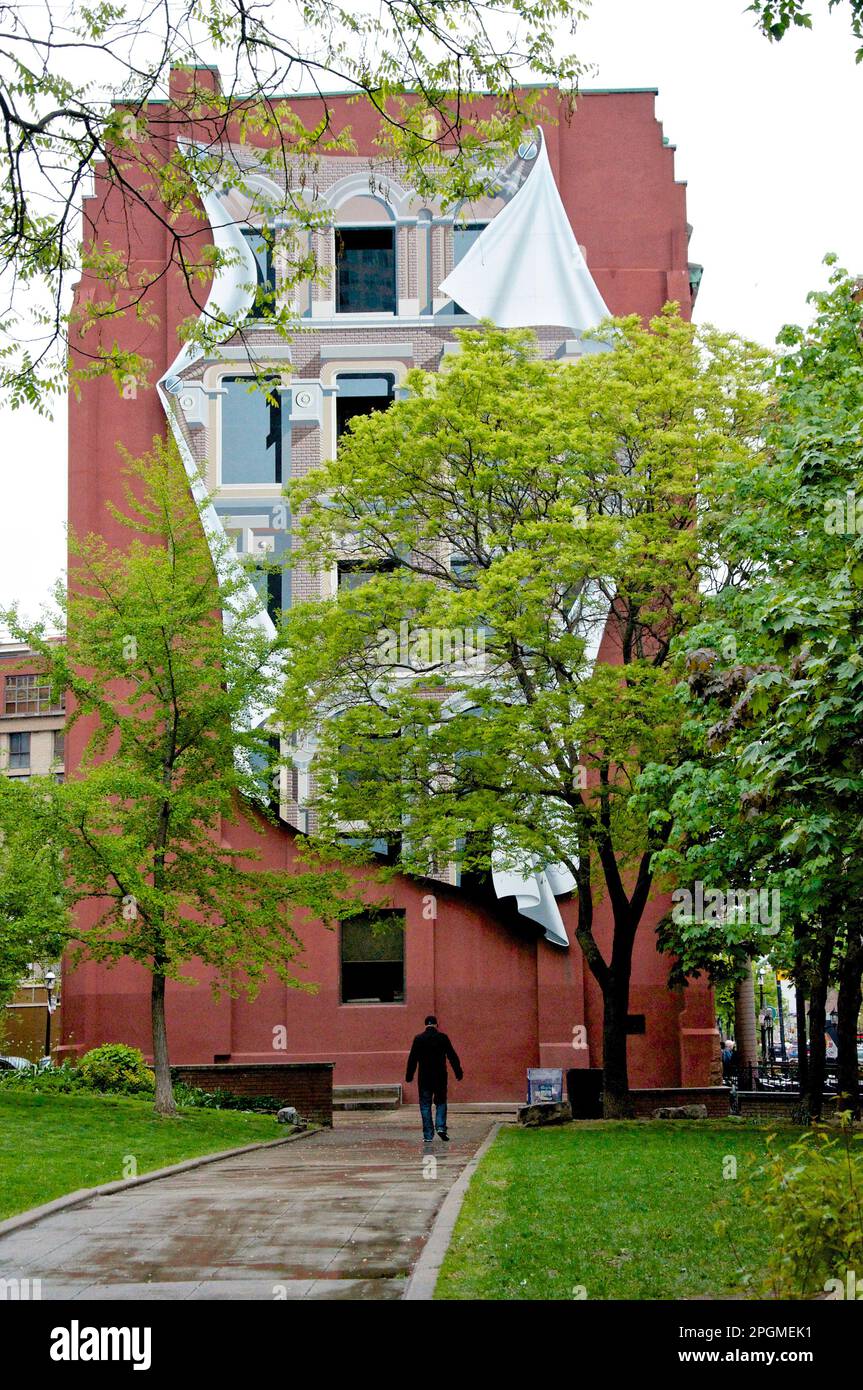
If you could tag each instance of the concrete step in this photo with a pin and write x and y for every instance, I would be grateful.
(367, 1097)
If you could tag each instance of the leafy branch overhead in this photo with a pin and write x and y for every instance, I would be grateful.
(776, 17)
(85, 89)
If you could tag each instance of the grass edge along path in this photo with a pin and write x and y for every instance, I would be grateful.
(610, 1211)
(51, 1145)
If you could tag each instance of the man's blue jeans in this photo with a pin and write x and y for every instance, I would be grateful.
(439, 1100)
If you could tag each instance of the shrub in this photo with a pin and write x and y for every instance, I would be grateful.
(116, 1067)
(192, 1097)
(53, 1080)
(811, 1195)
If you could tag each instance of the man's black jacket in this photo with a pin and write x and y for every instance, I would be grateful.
(429, 1052)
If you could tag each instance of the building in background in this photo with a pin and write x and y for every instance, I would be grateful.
(32, 744)
(32, 719)
(588, 218)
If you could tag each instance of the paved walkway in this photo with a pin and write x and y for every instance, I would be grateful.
(343, 1214)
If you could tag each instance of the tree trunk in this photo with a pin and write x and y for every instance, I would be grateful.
(746, 1042)
(813, 1097)
(848, 1009)
(164, 1100)
(802, 1045)
(616, 1102)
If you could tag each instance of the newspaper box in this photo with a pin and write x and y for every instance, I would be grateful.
(544, 1084)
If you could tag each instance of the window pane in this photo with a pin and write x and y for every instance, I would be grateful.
(268, 583)
(353, 574)
(373, 960)
(255, 433)
(463, 239)
(19, 750)
(361, 393)
(365, 270)
(262, 250)
(31, 695)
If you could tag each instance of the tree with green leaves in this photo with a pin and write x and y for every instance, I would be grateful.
(83, 87)
(34, 901)
(505, 517)
(776, 17)
(173, 700)
(781, 710)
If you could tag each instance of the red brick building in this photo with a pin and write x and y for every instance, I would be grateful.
(510, 985)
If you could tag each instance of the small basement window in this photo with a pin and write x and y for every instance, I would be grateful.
(365, 270)
(373, 959)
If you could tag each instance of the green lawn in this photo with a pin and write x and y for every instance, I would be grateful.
(624, 1210)
(52, 1144)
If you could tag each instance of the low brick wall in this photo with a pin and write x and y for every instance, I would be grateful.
(716, 1098)
(775, 1105)
(306, 1085)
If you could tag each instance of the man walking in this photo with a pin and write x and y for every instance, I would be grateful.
(429, 1052)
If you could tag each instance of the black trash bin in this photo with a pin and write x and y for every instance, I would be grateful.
(584, 1091)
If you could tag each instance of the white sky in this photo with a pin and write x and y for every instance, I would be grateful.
(767, 137)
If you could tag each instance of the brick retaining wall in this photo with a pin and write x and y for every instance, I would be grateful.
(716, 1098)
(775, 1105)
(306, 1085)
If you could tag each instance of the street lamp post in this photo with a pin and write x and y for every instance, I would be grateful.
(50, 979)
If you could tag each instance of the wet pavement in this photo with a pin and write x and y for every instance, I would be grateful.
(342, 1214)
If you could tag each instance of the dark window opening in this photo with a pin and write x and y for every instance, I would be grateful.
(365, 270)
(255, 431)
(353, 574)
(362, 393)
(635, 1023)
(261, 246)
(274, 744)
(19, 750)
(373, 959)
(463, 239)
(268, 582)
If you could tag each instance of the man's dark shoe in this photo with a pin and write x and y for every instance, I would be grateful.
(442, 1134)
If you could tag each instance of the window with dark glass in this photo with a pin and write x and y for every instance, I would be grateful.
(255, 431)
(366, 270)
(373, 959)
(269, 585)
(261, 247)
(353, 574)
(362, 393)
(31, 695)
(463, 238)
(19, 750)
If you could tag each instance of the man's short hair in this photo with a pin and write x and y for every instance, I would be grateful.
(430, 1018)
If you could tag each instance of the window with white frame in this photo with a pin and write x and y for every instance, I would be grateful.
(256, 431)
(366, 270)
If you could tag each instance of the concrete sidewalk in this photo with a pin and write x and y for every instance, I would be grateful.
(342, 1214)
